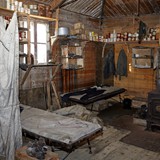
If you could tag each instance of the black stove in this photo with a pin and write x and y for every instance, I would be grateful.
(153, 114)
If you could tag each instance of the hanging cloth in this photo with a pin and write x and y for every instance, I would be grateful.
(122, 64)
(142, 31)
(109, 64)
(10, 126)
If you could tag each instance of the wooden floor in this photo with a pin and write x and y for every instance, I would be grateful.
(109, 147)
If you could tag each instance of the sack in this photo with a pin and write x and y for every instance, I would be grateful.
(127, 103)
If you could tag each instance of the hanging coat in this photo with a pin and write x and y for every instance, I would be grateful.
(121, 64)
(10, 126)
(142, 31)
(109, 65)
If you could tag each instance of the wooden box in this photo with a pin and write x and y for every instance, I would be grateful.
(78, 25)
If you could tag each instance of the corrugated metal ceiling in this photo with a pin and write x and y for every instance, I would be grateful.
(106, 8)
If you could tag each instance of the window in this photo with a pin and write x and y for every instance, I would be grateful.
(39, 33)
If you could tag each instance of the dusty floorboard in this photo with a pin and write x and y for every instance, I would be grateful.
(109, 147)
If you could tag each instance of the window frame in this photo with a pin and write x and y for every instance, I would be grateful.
(36, 43)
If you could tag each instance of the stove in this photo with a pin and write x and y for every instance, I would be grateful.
(153, 114)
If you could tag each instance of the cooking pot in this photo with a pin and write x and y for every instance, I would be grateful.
(63, 31)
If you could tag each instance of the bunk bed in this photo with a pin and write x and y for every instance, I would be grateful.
(62, 132)
(92, 94)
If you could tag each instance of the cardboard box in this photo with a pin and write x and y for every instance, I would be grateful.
(78, 26)
(83, 36)
(3, 3)
(80, 63)
(79, 51)
(34, 11)
(64, 50)
(79, 31)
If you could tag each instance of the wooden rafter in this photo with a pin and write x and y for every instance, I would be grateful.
(37, 1)
(138, 7)
(56, 4)
(155, 6)
(68, 3)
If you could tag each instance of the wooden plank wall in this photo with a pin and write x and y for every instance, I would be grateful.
(87, 76)
(68, 19)
(100, 64)
(84, 77)
(139, 81)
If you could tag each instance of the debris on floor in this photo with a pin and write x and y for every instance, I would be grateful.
(80, 112)
(140, 116)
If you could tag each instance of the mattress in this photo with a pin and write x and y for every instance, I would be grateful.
(92, 94)
(57, 128)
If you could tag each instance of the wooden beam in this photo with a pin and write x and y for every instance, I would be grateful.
(57, 22)
(36, 1)
(138, 7)
(56, 4)
(68, 3)
(155, 6)
(102, 11)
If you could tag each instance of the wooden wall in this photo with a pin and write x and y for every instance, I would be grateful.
(68, 19)
(139, 81)
(129, 24)
(80, 78)
(87, 76)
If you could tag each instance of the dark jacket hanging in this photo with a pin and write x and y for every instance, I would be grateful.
(109, 64)
(122, 64)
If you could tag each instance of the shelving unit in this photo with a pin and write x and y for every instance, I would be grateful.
(72, 56)
(27, 17)
(142, 57)
(27, 58)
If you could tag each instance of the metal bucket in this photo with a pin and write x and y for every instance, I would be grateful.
(63, 31)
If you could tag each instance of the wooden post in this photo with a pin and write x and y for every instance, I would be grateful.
(28, 38)
(57, 20)
(56, 94)
(48, 96)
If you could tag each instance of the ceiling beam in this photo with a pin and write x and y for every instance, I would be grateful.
(155, 6)
(138, 7)
(54, 4)
(102, 11)
(37, 1)
(68, 3)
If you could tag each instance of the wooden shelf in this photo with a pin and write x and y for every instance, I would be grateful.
(80, 57)
(22, 29)
(5, 11)
(118, 42)
(132, 42)
(23, 42)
